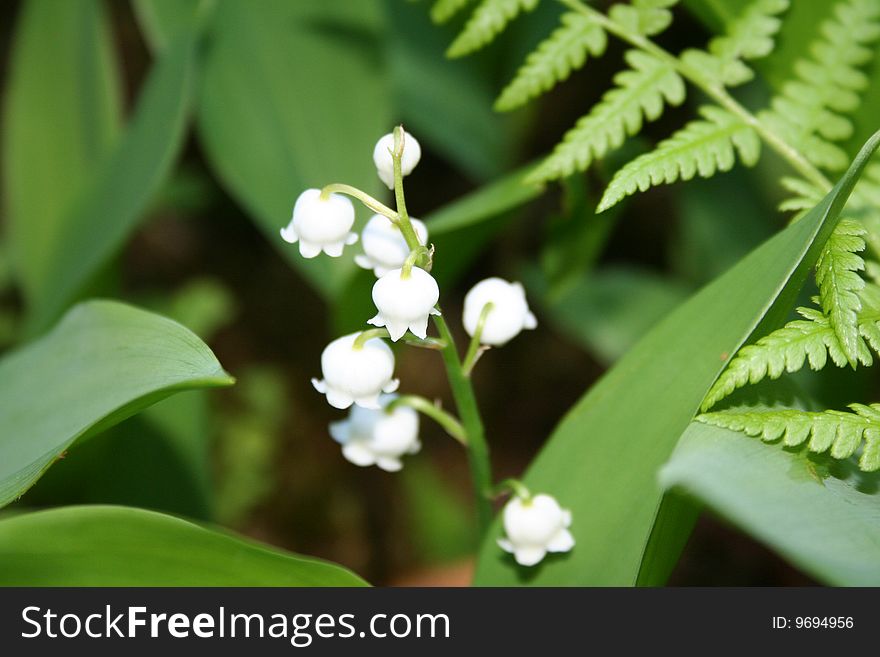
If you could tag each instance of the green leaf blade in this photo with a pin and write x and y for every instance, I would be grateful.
(121, 546)
(102, 363)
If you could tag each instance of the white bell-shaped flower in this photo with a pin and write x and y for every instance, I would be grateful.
(412, 153)
(320, 224)
(384, 246)
(376, 437)
(534, 527)
(405, 302)
(356, 375)
(510, 312)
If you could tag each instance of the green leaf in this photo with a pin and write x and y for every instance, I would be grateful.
(643, 17)
(488, 21)
(161, 20)
(103, 362)
(294, 95)
(554, 60)
(96, 225)
(640, 91)
(702, 147)
(826, 520)
(61, 119)
(120, 546)
(602, 460)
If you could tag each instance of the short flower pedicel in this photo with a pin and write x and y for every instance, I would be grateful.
(384, 246)
(378, 437)
(384, 161)
(405, 302)
(509, 315)
(356, 373)
(535, 526)
(320, 224)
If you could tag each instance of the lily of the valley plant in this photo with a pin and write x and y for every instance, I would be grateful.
(358, 369)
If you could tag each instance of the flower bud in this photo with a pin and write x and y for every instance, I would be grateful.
(534, 527)
(412, 153)
(320, 224)
(356, 375)
(510, 313)
(384, 246)
(405, 302)
(376, 437)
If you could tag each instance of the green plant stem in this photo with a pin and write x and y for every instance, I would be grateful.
(717, 92)
(466, 403)
(449, 423)
(405, 225)
(514, 486)
(473, 352)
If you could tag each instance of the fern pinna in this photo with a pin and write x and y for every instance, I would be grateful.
(804, 123)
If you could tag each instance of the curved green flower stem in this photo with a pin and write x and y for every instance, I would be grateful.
(362, 196)
(474, 350)
(466, 402)
(409, 233)
(368, 335)
(514, 486)
(717, 92)
(449, 423)
(427, 343)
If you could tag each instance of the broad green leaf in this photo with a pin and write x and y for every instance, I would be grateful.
(823, 517)
(294, 95)
(603, 458)
(103, 362)
(61, 118)
(97, 223)
(120, 546)
(161, 20)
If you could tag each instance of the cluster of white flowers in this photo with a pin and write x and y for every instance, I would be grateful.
(358, 369)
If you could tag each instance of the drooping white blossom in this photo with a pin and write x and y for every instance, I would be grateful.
(320, 224)
(412, 153)
(384, 246)
(356, 375)
(509, 315)
(377, 437)
(405, 302)
(534, 527)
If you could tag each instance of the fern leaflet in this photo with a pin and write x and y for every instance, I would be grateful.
(808, 112)
(443, 10)
(488, 21)
(840, 432)
(839, 284)
(643, 17)
(701, 147)
(564, 51)
(785, 350)
(749, 36)
(641, 91)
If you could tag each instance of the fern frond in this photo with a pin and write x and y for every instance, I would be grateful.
(701, 147)
(564, 51)
(840, 432)
(809, 340)
(809, 112)
(839, 284)
(488, 21)
(749, 36)
(641, 93)
(443, 10)
(643, 17)
(806, 195)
